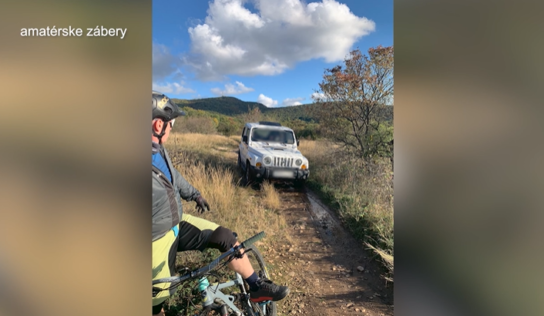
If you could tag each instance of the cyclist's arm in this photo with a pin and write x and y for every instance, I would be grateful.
(186, 190)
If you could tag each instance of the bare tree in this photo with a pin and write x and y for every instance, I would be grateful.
(252, 115)
(353, 103)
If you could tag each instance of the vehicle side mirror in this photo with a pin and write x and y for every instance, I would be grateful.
(244, 138)
(298, 143)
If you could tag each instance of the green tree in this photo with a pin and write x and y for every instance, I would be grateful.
(229, 126)
(353, 100)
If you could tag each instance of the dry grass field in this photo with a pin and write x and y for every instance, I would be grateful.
(208, 162)
(295, 252)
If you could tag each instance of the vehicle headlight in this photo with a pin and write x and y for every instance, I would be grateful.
(267, 160)
(298, 162)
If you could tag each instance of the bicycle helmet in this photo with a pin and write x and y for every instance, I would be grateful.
(163, 108)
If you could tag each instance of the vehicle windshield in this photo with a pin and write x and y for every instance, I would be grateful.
(272, 136)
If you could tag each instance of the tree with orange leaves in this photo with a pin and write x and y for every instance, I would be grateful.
(353, 103)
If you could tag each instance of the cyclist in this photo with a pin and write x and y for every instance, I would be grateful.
(175, 231)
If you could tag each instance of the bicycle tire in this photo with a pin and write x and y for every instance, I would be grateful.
(257, 261)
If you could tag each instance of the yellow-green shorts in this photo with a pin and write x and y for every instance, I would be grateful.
(194, 234)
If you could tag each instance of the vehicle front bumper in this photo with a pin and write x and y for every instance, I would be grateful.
(280, 173)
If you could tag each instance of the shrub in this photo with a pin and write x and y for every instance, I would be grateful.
(191, 124)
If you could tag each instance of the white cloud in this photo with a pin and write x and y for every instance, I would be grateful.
(318, 95)
(233, 40)
(172, 87)
(231, 89)
(164, 63)
(293, 101)
(267, 101)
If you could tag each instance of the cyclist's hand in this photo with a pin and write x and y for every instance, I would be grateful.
(201, 204)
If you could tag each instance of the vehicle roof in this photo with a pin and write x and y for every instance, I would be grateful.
(284, 128)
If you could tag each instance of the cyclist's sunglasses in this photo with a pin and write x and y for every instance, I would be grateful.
(172, 123)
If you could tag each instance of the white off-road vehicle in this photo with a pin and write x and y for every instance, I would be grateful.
(269, 151)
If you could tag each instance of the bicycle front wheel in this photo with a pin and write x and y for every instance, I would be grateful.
(257, 261)
(247, 307)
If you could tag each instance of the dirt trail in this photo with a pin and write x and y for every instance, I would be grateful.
(321, 262)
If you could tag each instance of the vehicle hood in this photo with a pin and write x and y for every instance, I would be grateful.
(277, 150)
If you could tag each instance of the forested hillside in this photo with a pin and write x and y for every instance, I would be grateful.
(231, 106)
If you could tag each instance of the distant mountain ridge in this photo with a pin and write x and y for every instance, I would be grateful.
(232, 106)
(223, 105)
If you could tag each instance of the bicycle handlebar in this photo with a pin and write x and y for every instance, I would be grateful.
(197, 273)
(253, 240)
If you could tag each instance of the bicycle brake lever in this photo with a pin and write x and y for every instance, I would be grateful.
(185, 269)
(238, 254)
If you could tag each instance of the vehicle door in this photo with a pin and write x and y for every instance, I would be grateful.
(244, 145)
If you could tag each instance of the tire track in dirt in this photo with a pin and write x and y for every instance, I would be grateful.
(321, 262)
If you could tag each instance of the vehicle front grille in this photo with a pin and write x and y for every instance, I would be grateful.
(283, 162)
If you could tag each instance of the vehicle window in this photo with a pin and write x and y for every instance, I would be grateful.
(272, 136)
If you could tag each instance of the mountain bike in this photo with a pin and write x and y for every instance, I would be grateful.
(230, 297)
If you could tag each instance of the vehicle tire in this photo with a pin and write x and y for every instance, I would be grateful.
(240, 162)
(259, 265)
(299, 184)
(248, 177)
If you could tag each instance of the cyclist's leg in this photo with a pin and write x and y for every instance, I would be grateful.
(158, 311)
(242, 266)
(163, 259)
(197, 234)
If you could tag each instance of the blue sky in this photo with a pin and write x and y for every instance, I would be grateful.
(268, 51)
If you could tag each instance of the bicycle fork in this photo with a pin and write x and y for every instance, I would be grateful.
(208, 299)
(203, 284)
